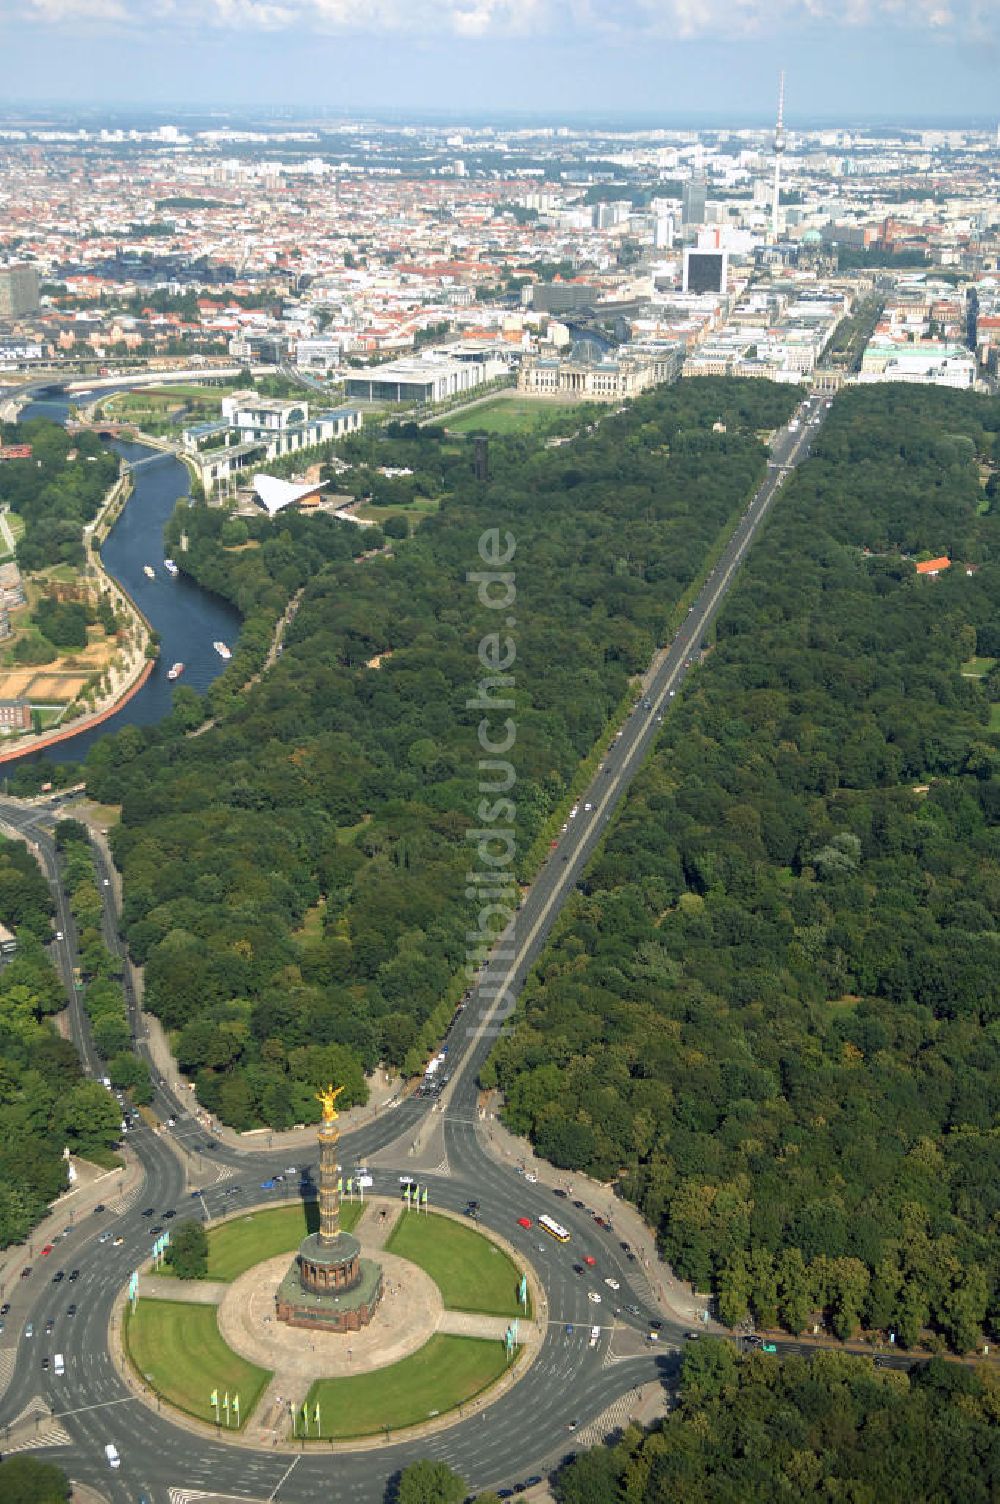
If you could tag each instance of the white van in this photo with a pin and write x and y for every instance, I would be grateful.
(111, 1453)
(59, 1365)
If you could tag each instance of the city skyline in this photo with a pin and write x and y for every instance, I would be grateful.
(876, 60)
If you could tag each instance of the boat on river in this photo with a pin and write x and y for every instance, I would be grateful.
(149, 571)
(222, 650)
(176, 671)
(170, 566)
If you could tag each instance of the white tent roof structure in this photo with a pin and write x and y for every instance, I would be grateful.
(274, 494)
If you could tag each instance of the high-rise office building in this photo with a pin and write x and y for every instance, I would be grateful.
(18, 291)
(694, 194)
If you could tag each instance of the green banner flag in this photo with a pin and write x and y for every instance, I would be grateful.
(213, 1398)
(316, 1416)
(423, 1196)
(340, 1185)
(225, 1402)
(236, 1407)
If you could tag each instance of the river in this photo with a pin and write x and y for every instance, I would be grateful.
(187, 618)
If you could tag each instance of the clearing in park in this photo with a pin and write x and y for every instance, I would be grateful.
(472, 1273)
(509, 415)
(444, 1373)
(177, 1348)
(234, 1247)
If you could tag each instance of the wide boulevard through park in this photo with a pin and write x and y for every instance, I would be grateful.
(442, 1142)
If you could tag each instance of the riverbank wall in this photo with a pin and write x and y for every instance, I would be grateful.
(139, 667)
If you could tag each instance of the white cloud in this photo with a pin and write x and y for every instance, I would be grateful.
(632, 19)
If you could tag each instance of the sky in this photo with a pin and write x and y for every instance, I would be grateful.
(711, 60)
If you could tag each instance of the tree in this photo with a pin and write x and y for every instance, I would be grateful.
(187, 1251)
(429, 1482)
(25, 1480)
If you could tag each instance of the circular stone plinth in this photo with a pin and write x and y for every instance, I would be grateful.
(405, 1318)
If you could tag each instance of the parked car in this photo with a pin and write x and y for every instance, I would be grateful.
(524, 1221)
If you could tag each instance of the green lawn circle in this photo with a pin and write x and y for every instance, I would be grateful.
(177, 1350)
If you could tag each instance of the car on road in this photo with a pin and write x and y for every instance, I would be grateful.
(168, 1214)
(580, 1205)
(26, 1271)
(267, 1185)
(104, 1238)
(154, 1232)
(71, 1310)
(595, 1335)
(364, 1179)
(524, 1221)
(593, 1297)
(74, 1274)
(59, 1276)
(46, 1250)
(588, 806)
(59, 934)
(150, 1211)
(579, 1269)
(574, 812)
(560, 1193)
(689, 1336)
(196, 1194)
(118, 1242)
(530, 1177)
(568, 1329)
(612, 1284)
(29, 1330)
(657, 1326)
(5, 1308)
(45, 1365)
(768, 1347)
(49, 1325)
(588, 1258)
(100, 1207)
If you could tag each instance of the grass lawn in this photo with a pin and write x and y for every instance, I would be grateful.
(472, 1273)
(236, 1246)
(509, 415)
(995, 717)
(977, 667)
(177, 1349)
(311, 927)
(414, 511)
(444, 1373)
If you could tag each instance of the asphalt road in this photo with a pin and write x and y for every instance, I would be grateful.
(526, 1431)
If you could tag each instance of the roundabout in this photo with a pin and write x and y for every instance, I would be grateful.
(421, 1361)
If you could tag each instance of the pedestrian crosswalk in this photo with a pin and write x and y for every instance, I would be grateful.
(197, 1495)
(51, 1434)
(34, 1429)
(8, 1358)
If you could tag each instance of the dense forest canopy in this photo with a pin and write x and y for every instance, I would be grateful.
(294, 877)
(45, 1104)
(774, 1009)
(56, 491)
(753, 1430)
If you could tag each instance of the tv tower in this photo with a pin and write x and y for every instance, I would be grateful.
(779, 151)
